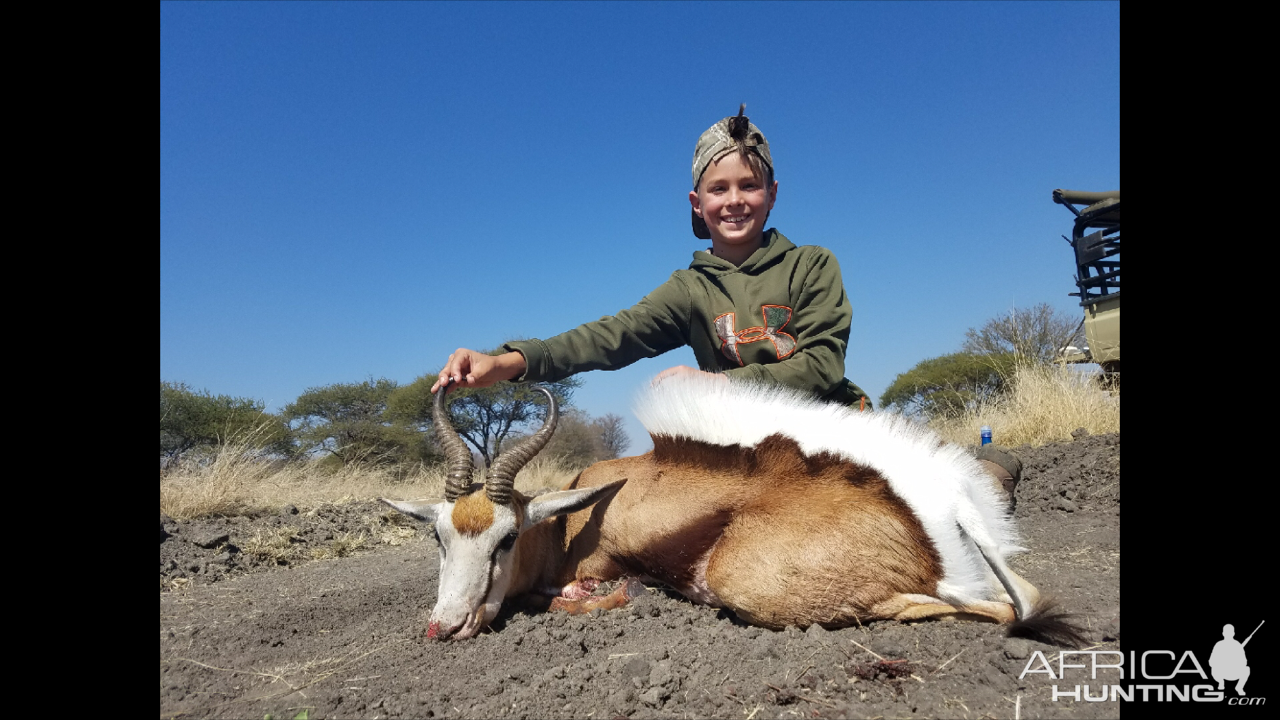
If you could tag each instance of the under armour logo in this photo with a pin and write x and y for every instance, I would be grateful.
(775, 318)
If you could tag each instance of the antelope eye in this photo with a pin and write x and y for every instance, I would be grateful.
(508, 542)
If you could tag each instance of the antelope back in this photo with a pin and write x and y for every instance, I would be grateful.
(941, 484)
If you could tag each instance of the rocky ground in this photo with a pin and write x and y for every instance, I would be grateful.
(323, 610)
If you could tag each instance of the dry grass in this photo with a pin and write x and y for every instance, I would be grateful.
(340, 546)
(282, 545)
(1045, 405)
(275, 544)
(236, 479)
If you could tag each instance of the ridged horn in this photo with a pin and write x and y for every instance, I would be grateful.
(501, 477)
(455, 450)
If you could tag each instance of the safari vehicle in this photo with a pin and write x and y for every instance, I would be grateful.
(1095, 240)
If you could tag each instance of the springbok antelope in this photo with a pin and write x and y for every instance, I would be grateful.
(785, 510)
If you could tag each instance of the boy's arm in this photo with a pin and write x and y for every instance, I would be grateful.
(820, 324)
(651, 327)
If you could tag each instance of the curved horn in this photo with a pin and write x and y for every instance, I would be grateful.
(455, 450)
(502, 474)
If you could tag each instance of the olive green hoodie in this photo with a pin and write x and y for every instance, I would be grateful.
(780, 317)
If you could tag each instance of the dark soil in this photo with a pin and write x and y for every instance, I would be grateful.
(253, 632)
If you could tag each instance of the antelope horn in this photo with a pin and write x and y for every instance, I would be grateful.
(502, 474)
(455, 450)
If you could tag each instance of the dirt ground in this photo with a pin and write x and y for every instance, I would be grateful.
(253, 625)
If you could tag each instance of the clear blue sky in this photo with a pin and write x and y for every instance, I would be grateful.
(353, 190)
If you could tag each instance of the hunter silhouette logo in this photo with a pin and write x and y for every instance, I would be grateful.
(1161, 676)
(776, 317)
(1228, 661)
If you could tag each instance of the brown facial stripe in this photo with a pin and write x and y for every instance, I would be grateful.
(472, 514)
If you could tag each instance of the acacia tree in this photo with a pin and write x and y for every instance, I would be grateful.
(191, 419)
(947, 385)
(349, 422)
(1036, 334)
(487, 418)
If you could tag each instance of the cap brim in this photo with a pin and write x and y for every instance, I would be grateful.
(700, 229)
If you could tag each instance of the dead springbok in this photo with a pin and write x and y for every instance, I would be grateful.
(782, 509)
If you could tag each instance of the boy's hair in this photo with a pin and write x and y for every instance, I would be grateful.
(730, 135)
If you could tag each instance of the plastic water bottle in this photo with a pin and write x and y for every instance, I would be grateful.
(986, 434)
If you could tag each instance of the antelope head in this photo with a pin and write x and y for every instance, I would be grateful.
(477, 528)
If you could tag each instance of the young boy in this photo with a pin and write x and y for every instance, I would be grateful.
(752, 306)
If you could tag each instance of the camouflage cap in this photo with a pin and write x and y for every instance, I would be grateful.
(727, 135)
(719, 140)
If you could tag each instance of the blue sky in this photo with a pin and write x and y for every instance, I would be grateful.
(353, 190)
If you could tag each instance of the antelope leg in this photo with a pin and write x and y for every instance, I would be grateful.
(629, 589)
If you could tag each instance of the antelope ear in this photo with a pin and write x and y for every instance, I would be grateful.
(424, 510)
(567, 501)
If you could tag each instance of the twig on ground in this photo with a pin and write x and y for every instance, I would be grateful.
(798, 696)
(953, 657)
(864, 647)
(273, 676)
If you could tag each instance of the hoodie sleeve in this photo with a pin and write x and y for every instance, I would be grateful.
(654, 325)
(820, 324)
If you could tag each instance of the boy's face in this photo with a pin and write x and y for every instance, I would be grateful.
(734, 202)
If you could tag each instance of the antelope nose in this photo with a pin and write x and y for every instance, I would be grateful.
(436, 631)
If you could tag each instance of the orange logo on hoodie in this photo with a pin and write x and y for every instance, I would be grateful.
(776, 317)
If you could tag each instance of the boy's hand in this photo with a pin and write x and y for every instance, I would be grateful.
(472, 369)
(686, 370)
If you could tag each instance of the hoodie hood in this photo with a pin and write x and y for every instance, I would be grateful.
(774, 247)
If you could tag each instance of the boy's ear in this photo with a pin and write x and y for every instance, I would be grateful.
(697, 204)
(773, 194)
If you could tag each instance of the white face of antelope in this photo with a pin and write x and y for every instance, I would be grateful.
(476, 564)
(477, 540)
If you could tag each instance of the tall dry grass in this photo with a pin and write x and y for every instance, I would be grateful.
(1044, 404)
(237, 479)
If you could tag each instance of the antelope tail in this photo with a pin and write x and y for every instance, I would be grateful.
(1038, 618)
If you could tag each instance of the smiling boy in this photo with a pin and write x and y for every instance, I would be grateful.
(751, 306)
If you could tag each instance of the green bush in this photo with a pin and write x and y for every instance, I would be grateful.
(191, 419)
(948, 385)
(349, 422)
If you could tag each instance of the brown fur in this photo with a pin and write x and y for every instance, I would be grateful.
(788, 539)
(472, 514)
(539, 553)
